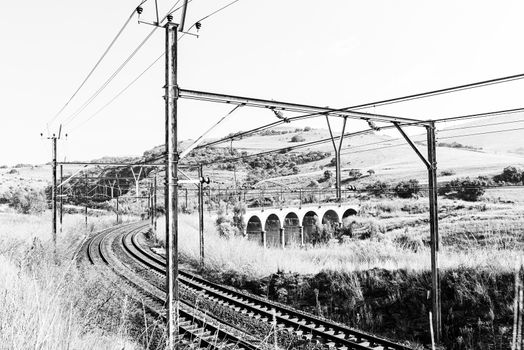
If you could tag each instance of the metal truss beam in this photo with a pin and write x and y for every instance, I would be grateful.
(291, 107)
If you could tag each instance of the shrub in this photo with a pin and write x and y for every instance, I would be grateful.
(378, 188)
(327, 175)
(407, 189)
(313, 183)
(226, 230)
(322, 232)
(239, 210)
(298, 138)
(510, 174)
(466, 188)
(447, 172)
(307, 128)
(28, 201)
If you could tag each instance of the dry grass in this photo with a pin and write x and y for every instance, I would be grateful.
(468, 238)
(55, 306)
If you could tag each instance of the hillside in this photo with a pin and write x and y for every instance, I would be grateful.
(484, 133)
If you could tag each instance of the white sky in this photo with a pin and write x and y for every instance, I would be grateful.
(330, 53)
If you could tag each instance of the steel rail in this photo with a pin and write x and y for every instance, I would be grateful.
(291, 319)
(208, 335)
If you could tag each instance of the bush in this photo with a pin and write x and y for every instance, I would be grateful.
(239, 210)
(298, 138)
(466, 188)
(407, 189)
(28, 201)
(322, 232)
(447, 172)
(226, 230)
(307, 128)
(378, 188)
(510, 174)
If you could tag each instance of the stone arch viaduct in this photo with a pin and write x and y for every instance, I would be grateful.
(281, 227)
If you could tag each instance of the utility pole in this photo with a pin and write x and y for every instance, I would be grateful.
(53, 191)
(61, 196)
(171, 198)
(433, 212)
(85, 196)
(431, 164)
(154, 205)
(201, 213)
(117, 210)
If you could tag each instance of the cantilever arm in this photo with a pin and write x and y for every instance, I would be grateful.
(408, 140)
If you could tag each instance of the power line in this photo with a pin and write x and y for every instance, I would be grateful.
(212, 14)
(104, 54)
(116, 72)
(149, 67)
(119, 94)
(438, 92)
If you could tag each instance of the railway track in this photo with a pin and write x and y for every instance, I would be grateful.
(288, 319)
(195, 328)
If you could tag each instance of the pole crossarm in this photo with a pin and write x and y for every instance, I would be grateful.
(415, 148)
(291, 107)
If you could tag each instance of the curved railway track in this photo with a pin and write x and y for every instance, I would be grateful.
(194, 327)
(296, 322)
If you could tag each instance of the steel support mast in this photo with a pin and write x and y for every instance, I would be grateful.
(431, 164)
(201, 213)
(53, 191)
(433, 212)
(171, 198)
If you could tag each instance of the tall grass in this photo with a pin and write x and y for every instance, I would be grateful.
(399, 249)
(55, 304)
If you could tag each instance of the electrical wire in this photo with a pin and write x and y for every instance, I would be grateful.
(106, 83)
(117, 95)
(104, 54)
(116, 72)
(436, 92)
(212, 14)
(149, 67)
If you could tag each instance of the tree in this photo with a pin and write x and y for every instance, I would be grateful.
(407, 189)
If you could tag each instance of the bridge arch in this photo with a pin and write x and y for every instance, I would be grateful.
(330, 217)
(309, 221)
(272, 228)
(292, 229)
(254, 228)
(348, 212)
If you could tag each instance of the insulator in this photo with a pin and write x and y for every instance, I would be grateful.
(169, 18)
(198, 25)
(139, 10)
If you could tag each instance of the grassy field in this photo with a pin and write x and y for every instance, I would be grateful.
(473, 235)
(380, 284)
(51, 303)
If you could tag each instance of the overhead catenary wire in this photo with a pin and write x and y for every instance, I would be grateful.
(212, 14)
(104, 54)
(118, 95)
(149, 67)
(116, 72)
